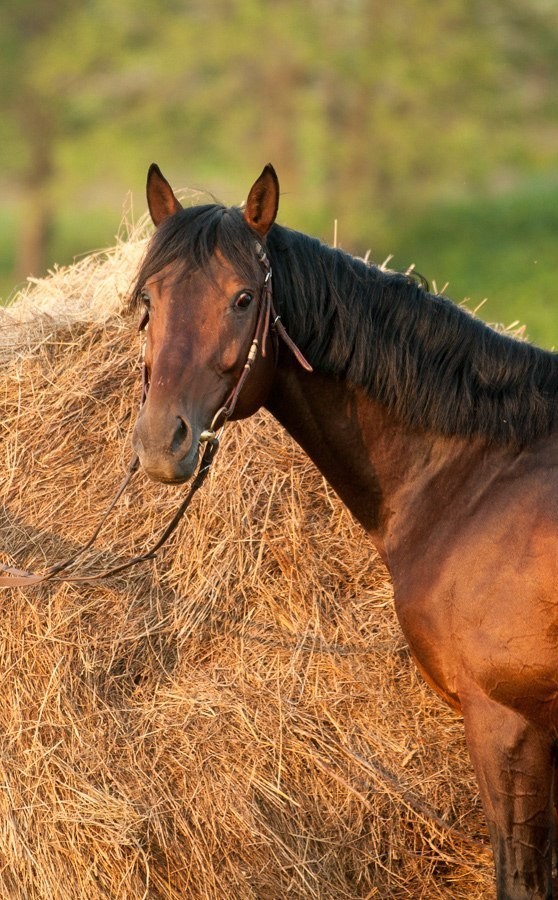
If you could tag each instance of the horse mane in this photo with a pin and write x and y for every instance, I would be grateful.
(429, 361)
(191, 237)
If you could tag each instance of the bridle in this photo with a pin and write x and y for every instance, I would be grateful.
(268, 324)
(259, 341)
(268, 329)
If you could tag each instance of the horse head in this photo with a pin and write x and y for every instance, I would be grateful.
(204, 287)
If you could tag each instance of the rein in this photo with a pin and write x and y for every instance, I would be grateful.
(267, 322)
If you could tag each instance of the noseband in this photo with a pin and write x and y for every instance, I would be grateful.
(267, 323)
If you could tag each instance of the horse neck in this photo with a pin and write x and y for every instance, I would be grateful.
(386, 473)
(434, 365)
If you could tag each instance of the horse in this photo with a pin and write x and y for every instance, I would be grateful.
(439, 433)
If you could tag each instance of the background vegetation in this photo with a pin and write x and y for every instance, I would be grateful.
(429, 131)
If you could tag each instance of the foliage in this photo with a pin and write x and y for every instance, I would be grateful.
(370, 111)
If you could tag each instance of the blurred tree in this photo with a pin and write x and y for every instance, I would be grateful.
(29, 116)
(66, 71)
(366, 108)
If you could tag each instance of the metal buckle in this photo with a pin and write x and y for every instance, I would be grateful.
(213, 434)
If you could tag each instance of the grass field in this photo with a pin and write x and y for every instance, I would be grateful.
(499, 248)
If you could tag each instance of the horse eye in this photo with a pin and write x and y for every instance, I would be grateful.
(243, 299)
(145, 298)
(144, 321)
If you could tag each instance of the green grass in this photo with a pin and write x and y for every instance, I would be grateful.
(502, 248)
(8, 224)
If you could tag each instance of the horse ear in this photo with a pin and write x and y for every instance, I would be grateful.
(160, 199)
(263, 202)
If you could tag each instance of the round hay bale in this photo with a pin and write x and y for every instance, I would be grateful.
(239, 719)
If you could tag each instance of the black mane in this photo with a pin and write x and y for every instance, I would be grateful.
(429, 361)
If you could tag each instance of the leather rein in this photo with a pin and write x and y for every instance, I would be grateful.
(267, 323)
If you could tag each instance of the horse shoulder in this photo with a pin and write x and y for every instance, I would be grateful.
(479, 589)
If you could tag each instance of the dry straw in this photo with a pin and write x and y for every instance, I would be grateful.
(240, 720)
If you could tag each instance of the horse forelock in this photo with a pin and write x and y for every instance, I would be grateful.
(191, 238)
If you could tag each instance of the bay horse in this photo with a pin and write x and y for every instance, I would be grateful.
(437, 432)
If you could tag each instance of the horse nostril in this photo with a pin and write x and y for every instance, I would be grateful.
(181, 435)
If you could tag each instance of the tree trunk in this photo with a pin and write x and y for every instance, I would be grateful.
(36, 222)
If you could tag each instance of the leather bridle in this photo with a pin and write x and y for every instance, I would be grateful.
(268, 324)
(268, 328)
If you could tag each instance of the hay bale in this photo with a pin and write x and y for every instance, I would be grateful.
(240, 719)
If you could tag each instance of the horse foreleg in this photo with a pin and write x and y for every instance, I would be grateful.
(514, 767)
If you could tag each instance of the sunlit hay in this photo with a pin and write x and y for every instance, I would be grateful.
(239, 719)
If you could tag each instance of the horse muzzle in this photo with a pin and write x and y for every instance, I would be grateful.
(168, 448)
